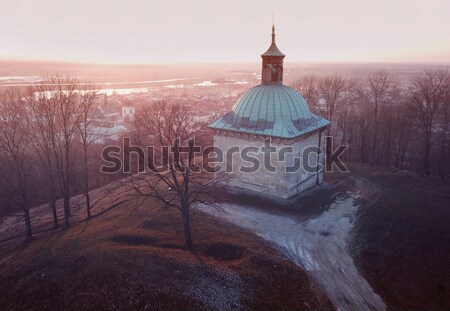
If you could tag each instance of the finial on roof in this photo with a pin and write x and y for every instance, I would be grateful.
(273, 34)
(273, 49)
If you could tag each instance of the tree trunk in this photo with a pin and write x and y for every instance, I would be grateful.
(67, 186)
(374, 149)
(88, 205)
(426, 157)
(363, 147)
(328, 146)
(86, 185)
(66, 210)
(187, 228)
(55, 215)
(27, 223)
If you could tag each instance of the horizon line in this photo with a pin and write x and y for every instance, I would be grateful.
(296, 62)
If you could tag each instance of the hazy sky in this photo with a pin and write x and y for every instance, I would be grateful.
(164, 31)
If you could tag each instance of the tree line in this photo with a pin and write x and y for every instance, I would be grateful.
(45, 146)
(383, 122)
(47, 152)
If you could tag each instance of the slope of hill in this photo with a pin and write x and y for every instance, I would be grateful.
(132, 256)
(401, 241)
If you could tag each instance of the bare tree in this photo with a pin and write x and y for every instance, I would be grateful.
(330, 88)
(139, 134)
(173, 175)
(363, 125)
(404, 133)
(382, 89)
(444, 122)
(429, 93)
(14, 144)
(384, 124)
(61, 96)
(308, 87)
(351, 95)
(42, 124)
(87, 100)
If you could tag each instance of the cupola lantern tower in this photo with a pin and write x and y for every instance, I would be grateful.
(272, 64)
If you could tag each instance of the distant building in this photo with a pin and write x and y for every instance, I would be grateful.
(128, 113)
(277, 112)
(107, 111)
(107, 124)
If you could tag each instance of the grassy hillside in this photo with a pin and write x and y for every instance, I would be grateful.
(133, 257)
(401, 241)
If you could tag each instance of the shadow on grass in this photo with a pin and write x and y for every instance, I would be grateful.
(139, 240)
(157, 225)
(224, 251)
(62, 227)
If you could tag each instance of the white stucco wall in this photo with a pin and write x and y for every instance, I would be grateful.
(280, 183)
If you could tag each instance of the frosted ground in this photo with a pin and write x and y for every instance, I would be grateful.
(319, 245)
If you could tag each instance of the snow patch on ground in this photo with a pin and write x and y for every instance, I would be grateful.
(319, 245)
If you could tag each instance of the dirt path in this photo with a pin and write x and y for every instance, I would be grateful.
(319, 245)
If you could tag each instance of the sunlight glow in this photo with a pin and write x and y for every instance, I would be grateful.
(168, 31)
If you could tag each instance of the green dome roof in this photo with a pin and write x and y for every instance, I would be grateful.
(270, 103)
(273, 110)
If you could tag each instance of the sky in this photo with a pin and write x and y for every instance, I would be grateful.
(169, 31)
